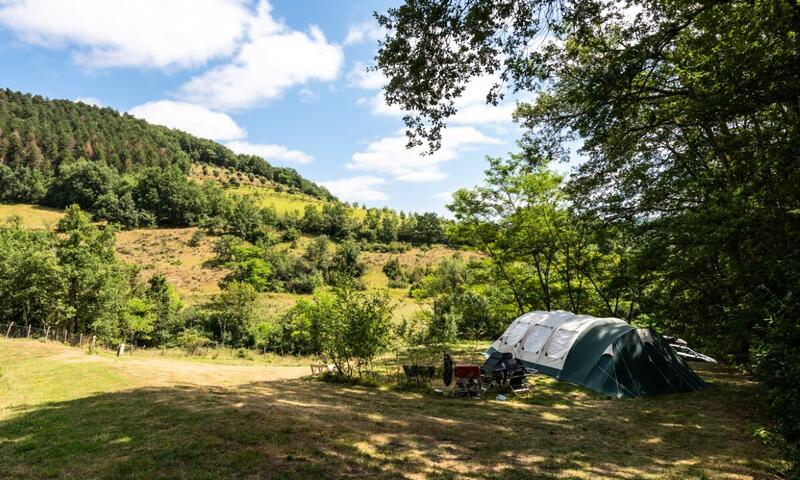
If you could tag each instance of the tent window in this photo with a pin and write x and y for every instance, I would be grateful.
(536, 338)
(515, 333)
(560, 343)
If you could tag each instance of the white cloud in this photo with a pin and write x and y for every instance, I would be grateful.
(357, 189)
(270, 152)
(190, 118)
(273, 58)
(390, 156)
(368, 80)
(444, 196)
(307, 96)
(366, 31)
(471, 106)
(131, 33)
(94, 101)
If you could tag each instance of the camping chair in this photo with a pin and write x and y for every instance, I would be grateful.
(518, 380)
(322, 368)
(468, 380)
(422, 374)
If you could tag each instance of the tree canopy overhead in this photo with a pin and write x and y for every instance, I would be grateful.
(688, 113)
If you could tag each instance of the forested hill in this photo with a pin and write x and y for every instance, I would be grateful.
(37, 134)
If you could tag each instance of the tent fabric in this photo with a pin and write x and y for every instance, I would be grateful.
(606, 355)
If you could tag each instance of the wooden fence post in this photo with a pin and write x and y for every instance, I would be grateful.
(94, 338)
(28, 335)
(80, 341)
(10, 326)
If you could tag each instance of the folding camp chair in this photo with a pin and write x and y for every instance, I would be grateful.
(422, 374)
(468, 380)
(518, 380)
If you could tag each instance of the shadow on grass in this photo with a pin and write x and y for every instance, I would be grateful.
(307, 429)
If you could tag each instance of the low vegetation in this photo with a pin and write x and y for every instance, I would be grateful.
(65, 413)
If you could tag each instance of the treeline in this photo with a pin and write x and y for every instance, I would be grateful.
(155, 196)
(73, 280)
(42, 135)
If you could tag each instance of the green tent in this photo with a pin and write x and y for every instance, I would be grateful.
(606, 355)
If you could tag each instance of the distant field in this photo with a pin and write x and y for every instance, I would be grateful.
(66, 414)
(33, 216)
(283, 202)
(268, 193)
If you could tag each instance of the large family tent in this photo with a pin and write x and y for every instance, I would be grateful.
(606, 355)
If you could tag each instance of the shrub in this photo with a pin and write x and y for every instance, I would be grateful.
(243, 353)
(196, 238)
(346, 260)
(290, 234)
(224, 248)
(354, 329)
(192, 341)
(393, 269)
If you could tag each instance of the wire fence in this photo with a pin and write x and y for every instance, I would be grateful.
(53, 334)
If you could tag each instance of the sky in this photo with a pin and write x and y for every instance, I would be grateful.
(282, 79)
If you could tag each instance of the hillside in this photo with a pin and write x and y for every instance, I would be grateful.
(191, 269)
(42, 134)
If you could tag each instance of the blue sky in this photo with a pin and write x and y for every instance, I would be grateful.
(283, 79)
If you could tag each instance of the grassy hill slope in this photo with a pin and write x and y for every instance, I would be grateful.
(191, 270)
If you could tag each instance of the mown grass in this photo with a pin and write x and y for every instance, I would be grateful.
(68, 415)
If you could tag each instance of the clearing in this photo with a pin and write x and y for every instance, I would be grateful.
(66, 414)
(33, 216)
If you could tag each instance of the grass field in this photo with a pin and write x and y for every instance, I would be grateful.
(66, 414)
(33, 216)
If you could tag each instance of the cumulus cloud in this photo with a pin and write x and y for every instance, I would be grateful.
(471, 105)
(362, 32)
(368, 80)
(389, 155)
(357, 189)
(193, 119)
(272, 59)
(131, 33)
(270, 152)
(94, 101)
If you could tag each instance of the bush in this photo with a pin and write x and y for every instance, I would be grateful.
(291, 234)
(346, 260)
(193, 341)
(196, 238)
(243, 353)
(296, 332)
(355, 329)
(393, 270)
(224, 248)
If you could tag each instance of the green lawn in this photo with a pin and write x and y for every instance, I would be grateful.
(66, 414)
